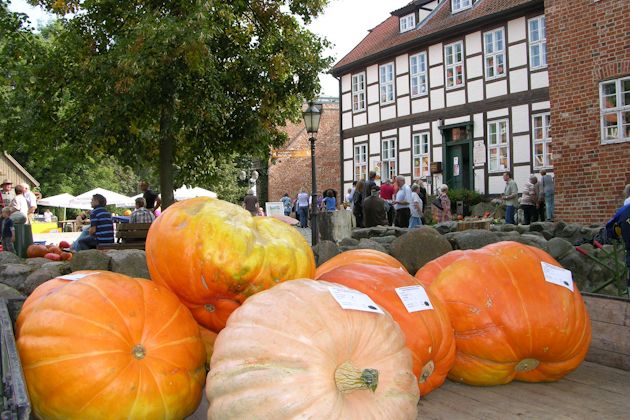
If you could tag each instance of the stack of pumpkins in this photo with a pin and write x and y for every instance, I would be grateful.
(102, 345)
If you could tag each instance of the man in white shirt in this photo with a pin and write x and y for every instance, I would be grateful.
(31, 200)
(402, 202)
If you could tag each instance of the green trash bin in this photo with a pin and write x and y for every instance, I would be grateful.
(23, 238)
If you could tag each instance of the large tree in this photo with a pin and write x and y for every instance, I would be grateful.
(184, 83)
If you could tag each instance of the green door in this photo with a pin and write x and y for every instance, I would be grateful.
(455, 166)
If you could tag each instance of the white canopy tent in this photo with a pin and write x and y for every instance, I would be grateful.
(185, 193)
(60, 200)
(84, 201)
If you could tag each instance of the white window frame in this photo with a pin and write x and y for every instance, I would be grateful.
(389, 155)
(358, 92)
(360, 161)
(620, 109)
(540, 42)
(494, 53)
(460, 5)
(499, 145)
(418, 73)
(419, 140)
(545, 140)
(452, 66)
(387, 90)
(407, 22)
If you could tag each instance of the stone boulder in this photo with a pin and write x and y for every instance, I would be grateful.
(535, 241)
(14, 275)
(559, 247)
(508, 236)
(9, 258)
(349, 242)
(370, 244)
(580, 267)
(91, 259)
(43, 274)
(418, 247)
(378, 231)
(36, 262)
(324, 251)
(7, 292)
(383, 239)
(130, 262)
(472, 239)
(446, 227)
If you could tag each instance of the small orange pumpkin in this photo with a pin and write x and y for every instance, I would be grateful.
(35, 251)
(510, 323)
(429, 333)
(361, 256)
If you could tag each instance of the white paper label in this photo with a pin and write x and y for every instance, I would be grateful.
(355, 300)
(78, 276)
(557, 275)
(414, 298)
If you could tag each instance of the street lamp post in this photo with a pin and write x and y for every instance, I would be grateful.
(312, 116)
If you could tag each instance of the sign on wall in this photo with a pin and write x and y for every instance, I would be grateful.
(274, 208)
(479, 152)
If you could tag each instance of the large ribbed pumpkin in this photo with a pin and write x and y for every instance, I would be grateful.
(109, 346)
(433, 268)
(510, 323)
(429, 333)
(362, 256)
(214, 254)
(293, 352)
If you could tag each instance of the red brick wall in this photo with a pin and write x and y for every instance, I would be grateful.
(587, 42)
(288, 175)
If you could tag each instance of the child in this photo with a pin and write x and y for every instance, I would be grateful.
(8, 231)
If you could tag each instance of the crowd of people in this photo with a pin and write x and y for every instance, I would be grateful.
(536, 201)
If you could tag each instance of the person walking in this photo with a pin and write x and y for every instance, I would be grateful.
(510, 198)
(549, 190)
(286, 204)
(402, 203)
(357, 202)
(416, 207)
(441, 206)
(302, 207)
(250, 202)
(529, 199)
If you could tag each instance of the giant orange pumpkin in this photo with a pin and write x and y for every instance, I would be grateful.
(110, 346)
(510, 323)
(362, 256)
(429, 333)
(433, 268)
(213, 255)
(292, 352)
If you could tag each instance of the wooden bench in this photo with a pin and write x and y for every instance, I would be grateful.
(129, 236)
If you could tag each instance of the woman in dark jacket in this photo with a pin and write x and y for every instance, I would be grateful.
(357, 201)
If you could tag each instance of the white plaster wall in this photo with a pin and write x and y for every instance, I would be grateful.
(404, 162)
(420, 105)
(372, 74)
(390, 133)
(475, 90)
(437, 154)
(503, 112)
(520, 119)
(541, 105)
(436, 76)
(346, 102)
(437, 98)
(346, 120)
(388, 112)
(435, 54)
(348, 170)
(456, 98)
(479, 128)
(521, 176)
(402, 64)
(474, 67)
(422, 127)
(473, 43)
(436, 134)
(457, 120)
(539, 80)
(404, 137)
(496, 88)
(518, 80)
(375, 143)
(360, 119)
(480, 177)
(516, 30)
(374, 114)
(404, 106)
(496, 184)
(348, 153)
(518, 55)
(522, 150)
(402, 85)
(372, 95)
(346, 82)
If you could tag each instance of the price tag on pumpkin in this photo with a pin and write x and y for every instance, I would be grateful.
(414, 298)
(77, 276)
(557, 275)
(354, 300)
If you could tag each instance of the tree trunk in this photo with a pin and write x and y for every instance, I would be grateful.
(167, 145)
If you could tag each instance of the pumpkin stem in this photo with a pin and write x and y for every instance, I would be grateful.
(427, 370)
(348, 378)
(139, 352)
(209, 307)
(527, 365)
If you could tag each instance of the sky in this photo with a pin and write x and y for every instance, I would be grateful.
(344, 23)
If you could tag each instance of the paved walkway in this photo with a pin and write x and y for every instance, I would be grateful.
(55, 238)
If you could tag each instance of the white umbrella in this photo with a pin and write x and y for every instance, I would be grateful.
(84, 201)
(60, 200)
(185, 193)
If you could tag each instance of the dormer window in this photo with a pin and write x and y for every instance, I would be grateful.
(407, 23)
(460, 5)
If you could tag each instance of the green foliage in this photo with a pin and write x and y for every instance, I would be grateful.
(469, 197)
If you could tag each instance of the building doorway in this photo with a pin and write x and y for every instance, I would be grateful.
(458, 158)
